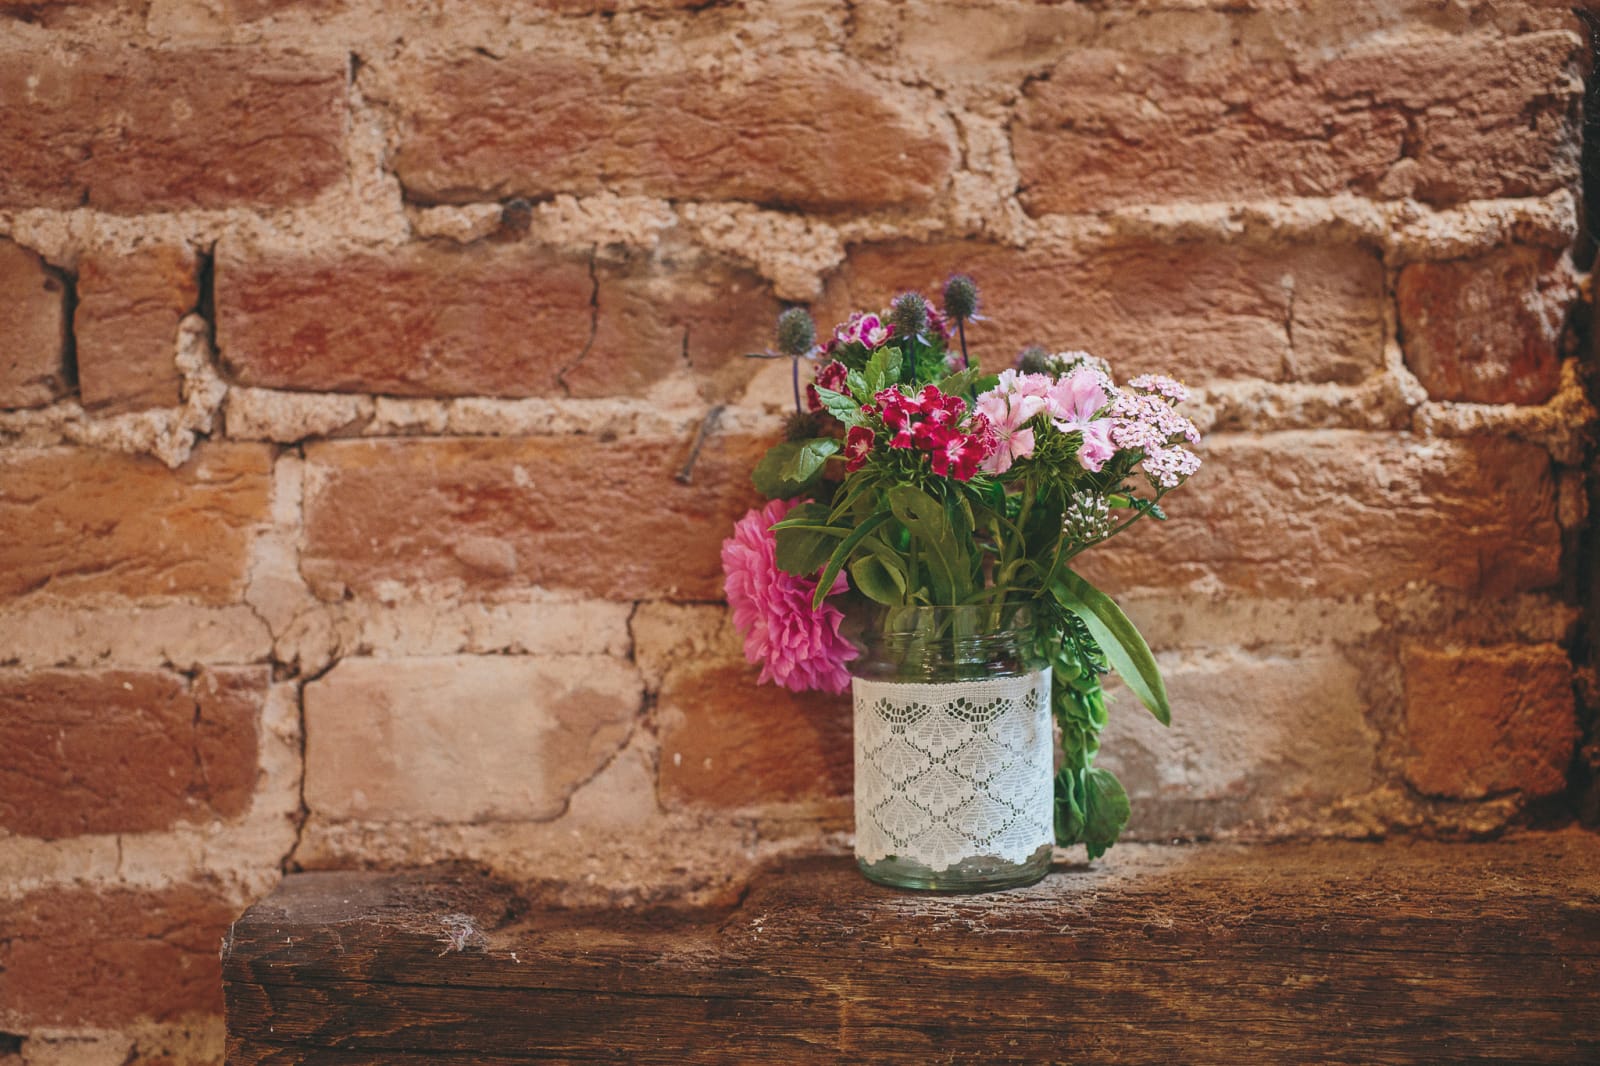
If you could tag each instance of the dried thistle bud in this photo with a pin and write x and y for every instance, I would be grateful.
(960, 297)
(909, 315)
(802, 425)
(1034, 360)
(796, 331)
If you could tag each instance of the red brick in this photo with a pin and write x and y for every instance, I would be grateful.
(488, 320)
(423, 320)
(126, 325)
(78, 524)
(727, 743)
(1482, 721)
(465, 738)
(1486, 330)
(812, 134)
(1199, 311)
(105, 957)
(32, 330)
(125, 751)
(141, 131)
(1442, 120)
(607, 518)
(651, 319)
(1347, 513)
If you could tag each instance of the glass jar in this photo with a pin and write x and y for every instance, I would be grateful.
(953, 749)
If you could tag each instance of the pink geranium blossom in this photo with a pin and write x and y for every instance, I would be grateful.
(797, 647)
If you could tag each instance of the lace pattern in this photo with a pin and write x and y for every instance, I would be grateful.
(952, 771)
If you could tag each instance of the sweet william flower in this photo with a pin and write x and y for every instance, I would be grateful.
(796, 647)
(857, 446)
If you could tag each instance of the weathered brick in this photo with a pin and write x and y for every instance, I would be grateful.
(33, 329)
(126, 751)
(606, 518)
(1481, 721)
(817, 134)
(1441, 119)
(76, 524)
(1256, 740)
(138, 131)
(1487, 330)
(125, 326)
(651, 319)
(489, 320)
(105, 957)
(1201, 311)
(1344, 512)
(492, 320)
(462, 739)
(727, 743)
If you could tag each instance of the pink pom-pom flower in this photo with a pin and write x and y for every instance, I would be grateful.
(796, 647)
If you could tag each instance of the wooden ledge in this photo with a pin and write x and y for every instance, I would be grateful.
(1329, 952)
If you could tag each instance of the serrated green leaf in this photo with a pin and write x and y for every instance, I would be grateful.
(1124, 648)
(840, 406)
(768, 474)
(808, 459)
(882, 370)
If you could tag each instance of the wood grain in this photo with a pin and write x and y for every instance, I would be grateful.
(1328, 953)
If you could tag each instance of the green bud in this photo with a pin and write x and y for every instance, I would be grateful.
(909, 315)
(960, 297)
(796, 331)
(1034, 360)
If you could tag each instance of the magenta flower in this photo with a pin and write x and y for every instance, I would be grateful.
(797, 647)
(857, 445)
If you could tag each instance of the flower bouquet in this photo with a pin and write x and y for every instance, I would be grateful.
(933, 512)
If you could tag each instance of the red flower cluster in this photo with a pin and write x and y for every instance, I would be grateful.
(932, 422)
(831, 377)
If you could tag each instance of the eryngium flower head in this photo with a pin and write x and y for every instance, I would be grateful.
(1034, 360)
(797, 333)
(910, 315)
(960, 297)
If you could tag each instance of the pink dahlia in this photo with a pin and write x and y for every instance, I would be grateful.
(797, 647)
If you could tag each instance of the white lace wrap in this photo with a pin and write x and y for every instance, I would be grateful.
(955, 770)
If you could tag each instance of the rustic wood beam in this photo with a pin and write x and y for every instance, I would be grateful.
(1328, 952)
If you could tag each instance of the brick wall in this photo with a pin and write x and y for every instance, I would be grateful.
(348, 349)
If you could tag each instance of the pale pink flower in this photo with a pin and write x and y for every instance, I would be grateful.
(1097, 446)
(1076, 399)
(797, 647)
(1008, 414)
(1169, 467)
(1015, 381)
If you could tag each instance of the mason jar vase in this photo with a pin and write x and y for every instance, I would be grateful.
(953, 749)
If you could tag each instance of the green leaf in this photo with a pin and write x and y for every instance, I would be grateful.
(857, 383)
(1069, 808)
(841, 554)
(803, 548)
(929, 523)
(840, 406)
(808, 459)
(1105, 810)
(882, 370)
(768, 474)
(878, 580)
(1125, 649)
